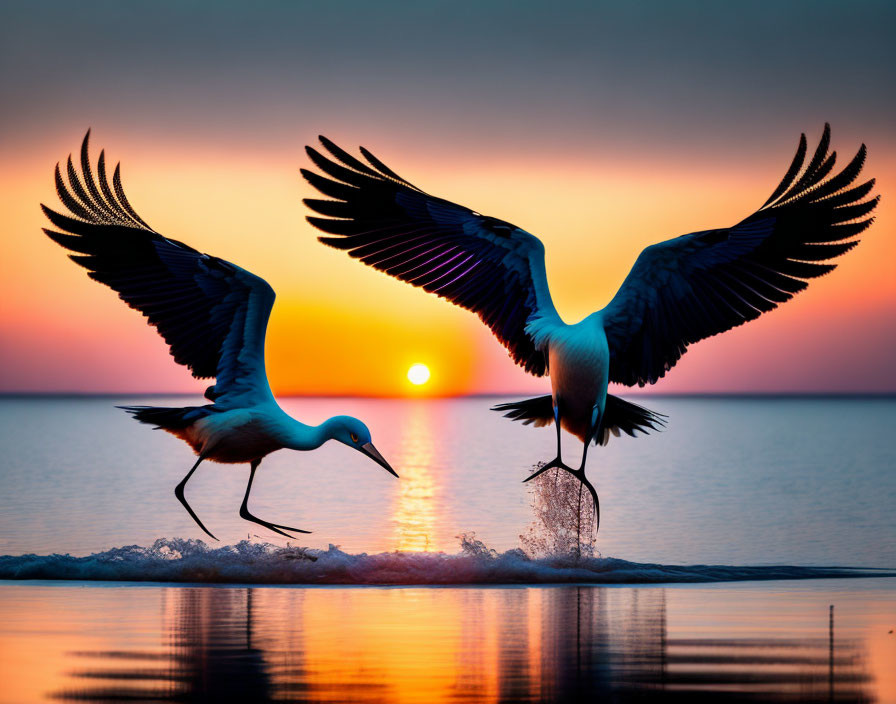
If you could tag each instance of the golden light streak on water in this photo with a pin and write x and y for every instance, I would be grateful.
(414, 514)
(415, 659)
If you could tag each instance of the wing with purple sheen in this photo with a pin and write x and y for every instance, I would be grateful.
(212, 314)
(698, 285)
(483, 264)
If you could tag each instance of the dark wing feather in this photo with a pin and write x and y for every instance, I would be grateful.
(480, 263)
(212, 314)
(698, 285)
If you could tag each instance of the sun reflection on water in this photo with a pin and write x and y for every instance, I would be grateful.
(414, 513)
(403, 646)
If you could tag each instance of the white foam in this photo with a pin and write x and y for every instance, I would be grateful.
(179, 560)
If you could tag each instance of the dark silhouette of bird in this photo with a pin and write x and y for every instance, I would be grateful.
(679, 291)
(212, 314)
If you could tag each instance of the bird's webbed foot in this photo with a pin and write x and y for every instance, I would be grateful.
(554, 463)
(276, 527)
(245, 513)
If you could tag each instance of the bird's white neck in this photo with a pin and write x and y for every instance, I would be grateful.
(298, 436)
(307, 437)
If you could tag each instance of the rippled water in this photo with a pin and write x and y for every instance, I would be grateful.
(731, 481)
(547, 644)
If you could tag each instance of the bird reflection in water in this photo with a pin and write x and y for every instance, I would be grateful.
(458, 645)
(209, 655)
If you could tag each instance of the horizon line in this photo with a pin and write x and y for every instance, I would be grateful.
(422, 397)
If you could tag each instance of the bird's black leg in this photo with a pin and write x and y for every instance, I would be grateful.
(580, 474)
(557, 461)
(179, 493)
(584, 455)
(244, 509)
(557, 423)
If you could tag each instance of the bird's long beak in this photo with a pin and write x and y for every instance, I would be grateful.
(375, 455)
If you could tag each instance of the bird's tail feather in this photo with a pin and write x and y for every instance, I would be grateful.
(173, 420)
(619, 416)
(628, 418)
(538, 411)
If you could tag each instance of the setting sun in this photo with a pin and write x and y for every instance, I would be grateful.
(418, 374)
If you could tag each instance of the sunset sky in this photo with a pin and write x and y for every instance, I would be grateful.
(601, 128)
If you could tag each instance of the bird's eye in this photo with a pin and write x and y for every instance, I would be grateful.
(353, 437)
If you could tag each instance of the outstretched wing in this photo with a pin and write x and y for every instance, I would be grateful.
(483, 264)
(698, 285)
(212, 314)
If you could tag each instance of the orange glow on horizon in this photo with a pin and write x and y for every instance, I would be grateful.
(339, 328)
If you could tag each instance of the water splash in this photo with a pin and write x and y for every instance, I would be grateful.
(563, 520)
(192, 561)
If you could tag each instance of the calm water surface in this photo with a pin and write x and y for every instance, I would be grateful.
(731, 481)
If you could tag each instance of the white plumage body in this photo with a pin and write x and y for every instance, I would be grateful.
(578, 363)
(240, 435)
